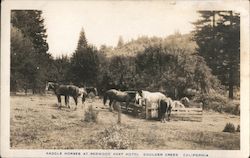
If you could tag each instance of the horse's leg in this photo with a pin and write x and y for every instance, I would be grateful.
(59, 101)
(83, 101)
(110, 104)
(164, 117)
(66, 101)
(75, 98)
(169, 116)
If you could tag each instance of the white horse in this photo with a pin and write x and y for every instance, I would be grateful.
(177, 104)
(150, 97)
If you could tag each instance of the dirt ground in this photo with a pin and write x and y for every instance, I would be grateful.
(37, 123)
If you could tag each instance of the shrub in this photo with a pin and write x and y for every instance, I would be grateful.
(229, 128)
(218, 102)
(238, 128)
(115, 137)
(91, 115)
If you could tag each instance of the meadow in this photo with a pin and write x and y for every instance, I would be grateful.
(37, 123)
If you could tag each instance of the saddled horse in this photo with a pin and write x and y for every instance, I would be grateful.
(114, 95)
(150, 97)
(66, 91)
(165, 107)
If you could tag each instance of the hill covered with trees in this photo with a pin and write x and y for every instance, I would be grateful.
(171, 64)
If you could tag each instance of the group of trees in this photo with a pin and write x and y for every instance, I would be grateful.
(217, 35)
(29, 48)
(171, 65)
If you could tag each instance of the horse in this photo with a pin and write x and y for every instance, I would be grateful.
(66, 91)
(185, 101)
(151, 97)
(165, 106)
(115, 95)
(91, 89)
(177, 104)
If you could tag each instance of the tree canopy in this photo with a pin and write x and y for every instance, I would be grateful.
(29, 56)
(217, 35)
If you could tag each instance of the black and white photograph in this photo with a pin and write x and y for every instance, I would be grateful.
(125, 79)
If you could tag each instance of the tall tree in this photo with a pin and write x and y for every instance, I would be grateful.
(31, 24)
(22, 61)
(120, 42)
(217, 36)
(82, 42)
(84, 63)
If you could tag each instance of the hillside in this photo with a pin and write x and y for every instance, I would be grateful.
(131, 48)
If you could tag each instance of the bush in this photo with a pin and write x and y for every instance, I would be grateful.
(91, 115)
(115, 137)
(218, 102)
(238, 128)
(229, 128)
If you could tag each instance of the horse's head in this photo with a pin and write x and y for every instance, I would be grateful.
(185, 101)
(83, 94)
(50, 86)
(96, 93)
(140, 92)
(137, 98)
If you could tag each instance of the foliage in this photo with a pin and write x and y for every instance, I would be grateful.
(23, 68)
(84, 63)
(174, 70)
(218, 102)
(91, 115)
(217, 35)
(120, 42)
(170, 65)
(82, 42)
(229, 128)
(29, 48)
(60, 69)
(238, 128)
(115, 137)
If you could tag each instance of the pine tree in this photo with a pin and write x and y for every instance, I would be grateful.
(82, 42)
(22, 61)
(31, 24)
(120, 42)
(84, 63)
(217, 37)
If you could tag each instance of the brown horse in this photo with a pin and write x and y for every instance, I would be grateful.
(66, 91)
(114, 95)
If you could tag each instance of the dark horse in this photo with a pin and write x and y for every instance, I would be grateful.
(115, 95)
(91, 89)
(165, 107)
(66, 90)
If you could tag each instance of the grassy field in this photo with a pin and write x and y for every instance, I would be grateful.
(37, 123)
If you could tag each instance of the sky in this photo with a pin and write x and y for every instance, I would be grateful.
(104, 21)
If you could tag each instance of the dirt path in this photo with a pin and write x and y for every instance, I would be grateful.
(36, 123)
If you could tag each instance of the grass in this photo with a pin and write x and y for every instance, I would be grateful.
(116, 137)
(91, 115)
(38, 124)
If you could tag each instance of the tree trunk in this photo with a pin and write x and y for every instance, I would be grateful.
(231, 73)
(231, 82)
(119, 114)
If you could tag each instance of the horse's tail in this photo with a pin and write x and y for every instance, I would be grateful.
(105, 97)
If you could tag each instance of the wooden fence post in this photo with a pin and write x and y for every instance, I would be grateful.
(119, 113)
